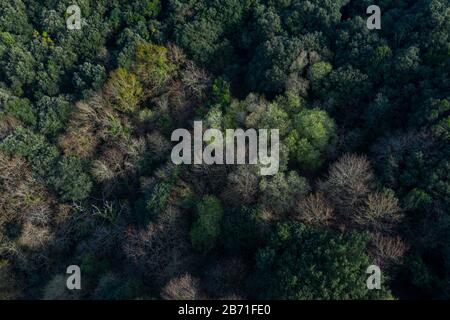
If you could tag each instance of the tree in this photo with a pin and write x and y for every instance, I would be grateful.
(24, 199)
(56, 289)
(242, 186)
(21, 109)
(34, 237)
(205, 36)
(315, 15)
(71, 179)
(18, 67)
(185, 287)
(312, 139)
(269, 116)
(344, 90)
(318, 71)
(112, 287)
(291, 102)
(52, 114)
(387, 250)
(89, 76)
(123, 90)
(269, 68)
(152, 66)
(407, 62)
(79, 142)
(206, 228)
(158, 198)
(13, 17)
(9, 289)
(225, 277)
(285, 270)
(41, 155)
(314, 210)
(348, 183)
(282, 191)
(380, 212)
(163, 242)
(239, 229)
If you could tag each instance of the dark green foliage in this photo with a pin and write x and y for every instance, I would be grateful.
(300, 262)
(14, 17)
(206, 227)
(111, 287)
(71, 179)
(239, 229)
(21, 109)
(269, 68)
(157, 196)
(89, 76)
(346, 87)
(52, 113)
(41, 155)
(205, 36)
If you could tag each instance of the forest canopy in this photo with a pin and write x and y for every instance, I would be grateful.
(86, 179)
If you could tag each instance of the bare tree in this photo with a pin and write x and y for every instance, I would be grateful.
(315, 210)
(348, 183)
(380, 212)
(79, 141)
(242, 186)
(17, 187)
(195, 79)
(109, 168)
(182, 102)
(34, 237)
(185, 287)
(39, 214)
(175, 54)
(158, 145)
(163, 243)
(387, 250)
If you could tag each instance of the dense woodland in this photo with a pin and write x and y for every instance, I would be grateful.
(86, 178)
